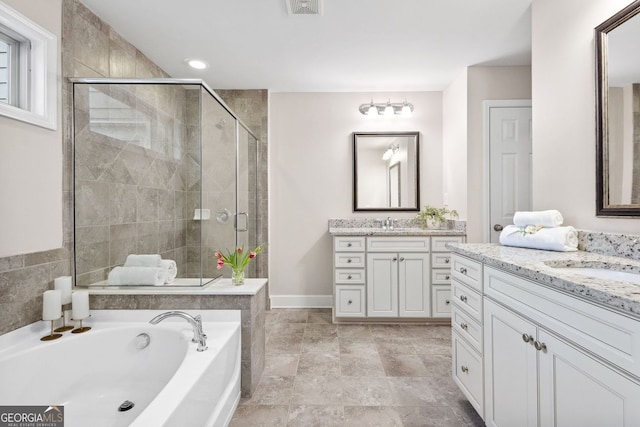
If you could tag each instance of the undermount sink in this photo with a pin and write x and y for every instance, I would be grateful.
(602, 273)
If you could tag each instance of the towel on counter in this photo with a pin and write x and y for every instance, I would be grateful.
(152, 260)
(550, 218)
(171, 268)
(126, 276)
(560, 239)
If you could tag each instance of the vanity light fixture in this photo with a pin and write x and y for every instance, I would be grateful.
(198, 64)
(388, 109)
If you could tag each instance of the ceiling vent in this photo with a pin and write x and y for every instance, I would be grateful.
(304, 7)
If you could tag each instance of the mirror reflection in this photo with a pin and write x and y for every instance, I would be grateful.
(386, 171)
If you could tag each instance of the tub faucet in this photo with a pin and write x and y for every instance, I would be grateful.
(195, 322)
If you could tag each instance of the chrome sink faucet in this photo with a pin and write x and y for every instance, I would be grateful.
(388, 223)
(196, 323)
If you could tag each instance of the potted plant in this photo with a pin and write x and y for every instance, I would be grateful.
(432, 217)
(238, 260)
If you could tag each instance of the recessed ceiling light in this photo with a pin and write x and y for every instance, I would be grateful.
(198, 64)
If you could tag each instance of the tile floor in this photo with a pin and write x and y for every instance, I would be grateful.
(320, 374)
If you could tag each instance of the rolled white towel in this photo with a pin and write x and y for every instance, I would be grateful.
(171, 268)
(151, 260)
(131, 276)
(560, 239)
(550, 218)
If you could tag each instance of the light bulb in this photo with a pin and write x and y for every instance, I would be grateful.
(372, 111)
(406, 110)
(388, 110)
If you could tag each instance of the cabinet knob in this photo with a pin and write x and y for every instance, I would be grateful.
(464, 369)
(527, 338)
(394, 259)
(540, 346)
(349, 245)
(464, 326)
(446, 261)
(349, 277)
(463, 270)
(350, 302)
(447, 302)
(401, 259)
(349, 261)
(463, 298)
(447, 277)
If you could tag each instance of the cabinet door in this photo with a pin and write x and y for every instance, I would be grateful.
(577, 390)
(413, 284)
(382, 285)
(511, 385)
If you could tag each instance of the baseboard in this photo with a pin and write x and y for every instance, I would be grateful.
(301, 301)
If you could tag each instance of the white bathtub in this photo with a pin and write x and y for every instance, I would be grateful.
(92, 374)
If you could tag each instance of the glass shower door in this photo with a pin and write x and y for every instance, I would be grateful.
(246, 218)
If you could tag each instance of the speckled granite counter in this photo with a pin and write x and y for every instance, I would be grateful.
(370, 231)
(539, 266)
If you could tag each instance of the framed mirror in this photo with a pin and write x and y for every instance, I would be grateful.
(386, 171)
(618, 114)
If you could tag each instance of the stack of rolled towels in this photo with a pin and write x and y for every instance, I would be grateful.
(144, 270)
(540, 230)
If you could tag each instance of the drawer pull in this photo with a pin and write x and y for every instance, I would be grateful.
(464, 369)
(447, 277)
(540, 346)
(463, 298)
(446, 261)
(349, 261)
(464, 326)
(349, 277)
(349, 245)
(401, 259)
(447, 302)
(394, 259)
(527, 338)
(463, 270)
(350, 302)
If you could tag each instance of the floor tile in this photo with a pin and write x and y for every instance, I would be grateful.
(272, 391)
(260, 416)
(412, 391)
(358, 365)
(317, 390)
(367, 391)
(281, 365)
(319, 364)
(316, 416)
(403, 365)
(371, 416)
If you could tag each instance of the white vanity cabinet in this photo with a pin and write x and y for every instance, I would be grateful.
(390, 277)
(551, 359)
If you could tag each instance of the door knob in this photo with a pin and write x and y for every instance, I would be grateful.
(498, 227)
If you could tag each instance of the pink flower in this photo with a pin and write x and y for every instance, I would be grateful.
(219, 267)
(239, 250)
(252, 255)
(220, 263)
(217, 254)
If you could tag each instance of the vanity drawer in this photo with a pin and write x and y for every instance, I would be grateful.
(350, 301)
(348, 244)
(467, 271)
(344, 275)
(349, 259)
(398, 244)
(607, 334)
(441, 305)
(467, 327)
(467, 299)
(438, 243)
(467, 372)
(441, 260)
(440, 276)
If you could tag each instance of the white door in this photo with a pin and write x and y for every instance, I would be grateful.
(510, 367)
(413, 284)
(382, 285)
(579, 391)
(509, 165)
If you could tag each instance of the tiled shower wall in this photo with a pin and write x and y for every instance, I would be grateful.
(91, 48)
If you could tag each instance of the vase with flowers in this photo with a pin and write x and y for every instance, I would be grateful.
(237, 259)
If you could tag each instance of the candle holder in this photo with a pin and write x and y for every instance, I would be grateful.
(81, 329)
(64, 327)
(51, 336)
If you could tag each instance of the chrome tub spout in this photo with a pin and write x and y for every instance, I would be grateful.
(195, 322)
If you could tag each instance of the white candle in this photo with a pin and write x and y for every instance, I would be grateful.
(51, 305)
(80, 305)
(63, 284)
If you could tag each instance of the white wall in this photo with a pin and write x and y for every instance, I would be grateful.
(454, 144)
(310, 164)
(31, 163)
(564, 110)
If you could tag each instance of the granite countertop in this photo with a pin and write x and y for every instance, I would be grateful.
(539, 265)
(371, 231)
(219, 286)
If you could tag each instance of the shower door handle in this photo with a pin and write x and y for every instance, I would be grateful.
(246, 221)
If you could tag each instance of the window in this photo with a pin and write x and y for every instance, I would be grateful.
(28, 70)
